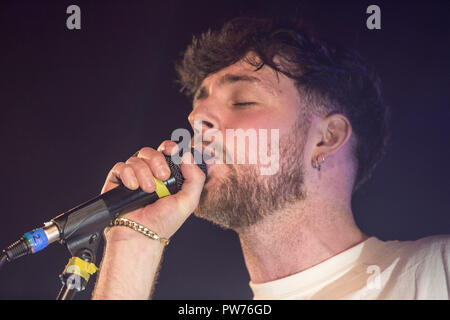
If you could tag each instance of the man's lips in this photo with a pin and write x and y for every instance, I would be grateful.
(208, 157)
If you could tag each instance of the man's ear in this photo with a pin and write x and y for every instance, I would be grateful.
(334, 132)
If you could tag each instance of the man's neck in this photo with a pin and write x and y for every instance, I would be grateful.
(296, 239)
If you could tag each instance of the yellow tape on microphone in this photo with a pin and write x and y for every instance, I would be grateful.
(161, 189)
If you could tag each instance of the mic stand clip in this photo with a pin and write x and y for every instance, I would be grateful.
(81, 265)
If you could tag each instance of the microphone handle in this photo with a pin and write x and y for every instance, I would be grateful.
(95, 214)
(89, 217)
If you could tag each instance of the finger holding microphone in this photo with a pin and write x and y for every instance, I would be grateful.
(140, 171)
(130, 263)
(143, 189)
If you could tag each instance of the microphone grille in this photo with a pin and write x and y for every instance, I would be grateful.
(176, 170)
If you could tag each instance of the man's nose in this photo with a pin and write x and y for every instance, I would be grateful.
(203, 118)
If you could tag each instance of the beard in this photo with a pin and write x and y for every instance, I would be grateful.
(244, 197)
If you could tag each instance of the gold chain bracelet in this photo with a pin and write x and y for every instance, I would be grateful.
(139, 228)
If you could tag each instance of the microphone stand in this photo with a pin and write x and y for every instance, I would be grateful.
(81, 265)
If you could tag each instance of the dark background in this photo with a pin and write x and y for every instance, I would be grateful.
(74, 102)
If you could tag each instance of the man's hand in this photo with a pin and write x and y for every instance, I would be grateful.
(131, 260)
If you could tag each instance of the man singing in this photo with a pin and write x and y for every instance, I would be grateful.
(295, 226)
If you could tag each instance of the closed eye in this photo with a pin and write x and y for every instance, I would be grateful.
(241, 104)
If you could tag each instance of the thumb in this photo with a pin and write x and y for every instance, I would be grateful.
(194, 180)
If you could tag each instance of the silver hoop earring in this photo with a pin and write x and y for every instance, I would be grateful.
(318, 164)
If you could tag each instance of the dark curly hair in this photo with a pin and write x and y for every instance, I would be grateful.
(329, 78)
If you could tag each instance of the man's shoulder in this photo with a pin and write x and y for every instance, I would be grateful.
(431, 245)
(432, 251)
(413, 253)
(416, 269)
(435, 242)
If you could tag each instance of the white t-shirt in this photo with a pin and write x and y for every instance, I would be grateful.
(373, 269)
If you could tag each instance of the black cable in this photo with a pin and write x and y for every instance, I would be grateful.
(3, 260)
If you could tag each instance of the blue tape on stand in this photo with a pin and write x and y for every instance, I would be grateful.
(37, 239)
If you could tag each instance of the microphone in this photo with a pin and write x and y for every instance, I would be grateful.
(96, 214)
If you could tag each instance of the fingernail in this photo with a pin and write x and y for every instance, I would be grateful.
(174, 150)
(149, 184)
(134, 182)
(163, 172)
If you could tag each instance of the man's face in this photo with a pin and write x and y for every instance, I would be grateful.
(237, 97)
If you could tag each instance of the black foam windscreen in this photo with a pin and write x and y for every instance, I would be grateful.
(176, 170)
